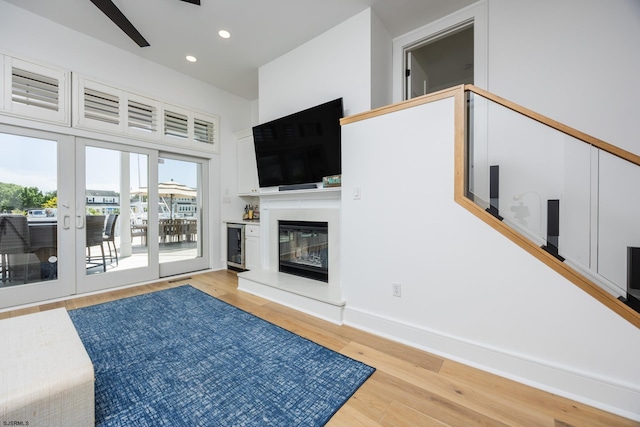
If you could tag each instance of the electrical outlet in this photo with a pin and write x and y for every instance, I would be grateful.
(396, 289)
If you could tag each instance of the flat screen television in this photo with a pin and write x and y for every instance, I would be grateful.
(300, 149)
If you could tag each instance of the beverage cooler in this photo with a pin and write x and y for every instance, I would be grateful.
(235, 246)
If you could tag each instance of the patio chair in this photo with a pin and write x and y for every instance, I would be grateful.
(14, 239)
(94, 225)
(139, 230)
(110, 236)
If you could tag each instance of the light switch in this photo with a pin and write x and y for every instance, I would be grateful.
(357, 193)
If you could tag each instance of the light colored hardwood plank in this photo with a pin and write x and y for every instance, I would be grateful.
(351, 417)
(427, 402)
(457, 392)
(400, 415)
(514, 394)
(410, 387)
(19, 312)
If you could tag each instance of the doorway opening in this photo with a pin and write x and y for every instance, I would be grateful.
(441, 61)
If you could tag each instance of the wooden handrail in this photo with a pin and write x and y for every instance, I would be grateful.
(413, 102)
(605, 146)
(461, 198)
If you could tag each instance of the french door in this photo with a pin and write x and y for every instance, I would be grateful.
(36, 216)
(79, 215)
(150, 207)
(108, 182)
(181, 188)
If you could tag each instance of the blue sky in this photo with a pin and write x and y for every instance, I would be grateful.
(32, 162)
(29, 162)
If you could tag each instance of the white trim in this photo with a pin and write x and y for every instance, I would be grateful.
(3, 81)
(477, 13)
(608, 394)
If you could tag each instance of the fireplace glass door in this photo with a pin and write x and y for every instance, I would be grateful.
(304, 249)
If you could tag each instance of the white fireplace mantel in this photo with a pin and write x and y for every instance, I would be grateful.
(311, 296)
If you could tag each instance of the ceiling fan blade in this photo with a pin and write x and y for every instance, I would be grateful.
(193, 1)
(118, 18)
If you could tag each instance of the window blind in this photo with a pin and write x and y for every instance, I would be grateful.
(203, 131)
(141, 116)
(28, 88)
(101, 106)
(176, 124)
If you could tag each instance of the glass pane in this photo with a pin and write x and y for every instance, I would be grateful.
(28, 210)
(570, 197)
(304, 249)
(618, 213)
(179, 218)
(533, 177)
(116, 228)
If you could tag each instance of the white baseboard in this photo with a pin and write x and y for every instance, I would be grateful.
(607, 394)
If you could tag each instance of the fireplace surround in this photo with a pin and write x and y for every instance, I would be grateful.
(317, 297)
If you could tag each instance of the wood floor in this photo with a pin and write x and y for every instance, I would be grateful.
(409, 388)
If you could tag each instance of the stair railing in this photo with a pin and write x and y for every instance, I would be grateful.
(569, 199)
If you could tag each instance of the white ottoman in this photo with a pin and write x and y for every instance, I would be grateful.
(46, 376)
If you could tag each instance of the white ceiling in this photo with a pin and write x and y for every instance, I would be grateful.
(261, 30)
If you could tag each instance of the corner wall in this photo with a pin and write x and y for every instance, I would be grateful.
(338, 63)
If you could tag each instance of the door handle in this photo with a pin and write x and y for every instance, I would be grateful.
(79, 221)
(66, 222)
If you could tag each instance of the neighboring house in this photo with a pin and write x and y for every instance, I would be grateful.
(103, 202)
(574, 61)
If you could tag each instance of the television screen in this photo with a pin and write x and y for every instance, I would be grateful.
(301, 148)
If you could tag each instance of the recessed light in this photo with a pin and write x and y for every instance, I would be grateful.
(224, 34)
(191, 58)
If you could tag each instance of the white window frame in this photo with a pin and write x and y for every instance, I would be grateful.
(2, 81)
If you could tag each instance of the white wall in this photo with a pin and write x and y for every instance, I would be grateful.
(575, 61)
(24, 34)
(468, 293)
(381, 64)
(333, 65)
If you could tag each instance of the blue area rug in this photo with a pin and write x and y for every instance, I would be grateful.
(180, 357)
